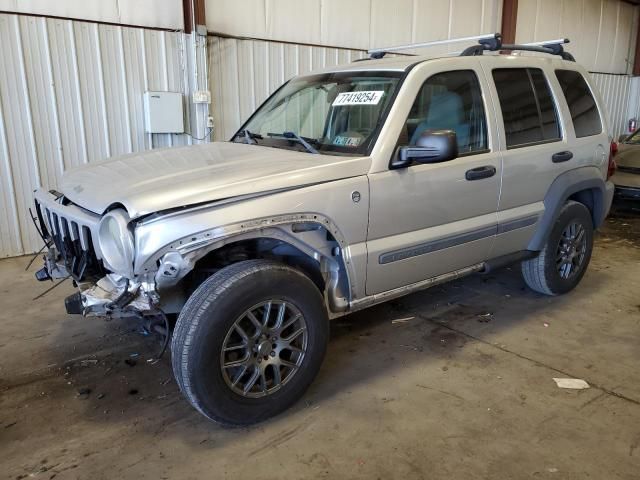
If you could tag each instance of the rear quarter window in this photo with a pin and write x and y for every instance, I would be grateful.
(582, 105)
(528, 108)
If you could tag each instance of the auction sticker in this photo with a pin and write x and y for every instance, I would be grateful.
(370, 97)
(347, 141)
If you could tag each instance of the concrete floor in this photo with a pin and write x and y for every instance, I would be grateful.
(425, 387)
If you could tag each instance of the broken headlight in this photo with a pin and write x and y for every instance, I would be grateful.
(116, 242)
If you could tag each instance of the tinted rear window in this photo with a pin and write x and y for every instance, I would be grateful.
(584, 112)
(528, 109)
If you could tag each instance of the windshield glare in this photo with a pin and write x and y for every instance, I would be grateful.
(335, 113)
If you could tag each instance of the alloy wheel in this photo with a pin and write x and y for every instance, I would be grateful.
(264, 348)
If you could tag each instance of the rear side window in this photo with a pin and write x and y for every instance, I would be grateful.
(584, 112)
(527, 106)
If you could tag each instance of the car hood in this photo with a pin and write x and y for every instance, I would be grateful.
(167, 178)
(628, 155)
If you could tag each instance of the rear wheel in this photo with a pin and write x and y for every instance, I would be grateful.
(566, 255)
(249, 341)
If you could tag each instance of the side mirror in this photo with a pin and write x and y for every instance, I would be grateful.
(433, 146)
(622, 138)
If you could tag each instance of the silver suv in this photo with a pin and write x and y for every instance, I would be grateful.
(346, 188)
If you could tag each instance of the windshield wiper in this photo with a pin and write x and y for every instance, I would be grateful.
(294, 137)
(249, 137)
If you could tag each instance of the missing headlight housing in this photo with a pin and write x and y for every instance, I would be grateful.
(116, 242)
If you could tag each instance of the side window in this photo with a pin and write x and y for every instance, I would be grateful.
(449, 101)
(584, 112)
(528, 109)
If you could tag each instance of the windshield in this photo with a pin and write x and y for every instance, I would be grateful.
(338, 113)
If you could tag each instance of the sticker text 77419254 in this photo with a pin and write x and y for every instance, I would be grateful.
(369, 97)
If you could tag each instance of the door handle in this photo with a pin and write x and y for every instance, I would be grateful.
(479, 173)
(561, 156)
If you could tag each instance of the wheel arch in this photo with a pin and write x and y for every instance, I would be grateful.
(313, 246)
(584, 185)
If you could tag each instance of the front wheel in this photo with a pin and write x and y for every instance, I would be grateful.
(565, 257)
(249, 341)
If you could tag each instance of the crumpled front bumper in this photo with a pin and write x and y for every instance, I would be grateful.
(114, 295)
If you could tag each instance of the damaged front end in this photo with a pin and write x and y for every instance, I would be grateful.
(71, 235)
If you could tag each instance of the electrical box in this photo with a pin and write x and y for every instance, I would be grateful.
(163, 112)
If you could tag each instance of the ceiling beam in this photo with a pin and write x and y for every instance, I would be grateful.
(509, 19)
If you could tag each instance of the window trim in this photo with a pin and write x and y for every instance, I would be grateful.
(554, 100)
(593, 97)
(488, 148)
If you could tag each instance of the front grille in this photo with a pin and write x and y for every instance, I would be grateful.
(72, 230)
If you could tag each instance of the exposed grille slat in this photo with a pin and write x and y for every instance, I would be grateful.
(71, 230)
(85, 238)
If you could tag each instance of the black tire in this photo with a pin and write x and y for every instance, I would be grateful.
(207, 320)
(542, 273)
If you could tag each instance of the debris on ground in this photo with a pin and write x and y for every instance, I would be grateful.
(84, 392)
(571, 383)
(485, 317)
(131, 362)
(87, 362)
(402, 320)
(545, 324)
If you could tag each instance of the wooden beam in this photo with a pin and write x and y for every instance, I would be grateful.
(194, 14)
(636, 59)
(509, 19)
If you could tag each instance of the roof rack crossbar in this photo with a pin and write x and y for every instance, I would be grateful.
(552, 47)
(380, 52)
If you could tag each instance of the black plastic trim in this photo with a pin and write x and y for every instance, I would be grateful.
(435, 245)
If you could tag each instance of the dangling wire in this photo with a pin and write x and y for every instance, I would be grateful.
(51, 288)
(167, 337)
(33, 259)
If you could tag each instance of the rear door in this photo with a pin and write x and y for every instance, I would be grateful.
(430, 219)
(535, 146)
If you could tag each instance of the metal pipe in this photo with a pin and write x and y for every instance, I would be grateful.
(558, 41)
(434, 43)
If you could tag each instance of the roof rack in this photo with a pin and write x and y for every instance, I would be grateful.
(488, 42)
(380, 52)
(552, 47)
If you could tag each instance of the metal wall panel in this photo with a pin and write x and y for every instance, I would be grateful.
(355, 24)
(70, 93)
(615, 91)
(602, 32)
(148, 13)
(243, 73)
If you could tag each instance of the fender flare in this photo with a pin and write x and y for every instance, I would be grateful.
(587, 179)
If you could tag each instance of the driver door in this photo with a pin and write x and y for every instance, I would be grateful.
(427, 220)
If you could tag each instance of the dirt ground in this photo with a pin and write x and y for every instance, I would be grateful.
(455, 382)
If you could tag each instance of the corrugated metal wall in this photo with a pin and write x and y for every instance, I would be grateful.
(149, 13)
(243, 73)
(615, 91)
(602, 32)
(357, 24)
(70, 93)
